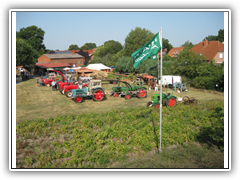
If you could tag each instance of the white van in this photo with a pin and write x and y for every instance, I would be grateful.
(170, 80)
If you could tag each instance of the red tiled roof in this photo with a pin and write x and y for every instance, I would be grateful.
(90, 52)
(52, 65)
(18, 67)
(210, 49)
(175, 50)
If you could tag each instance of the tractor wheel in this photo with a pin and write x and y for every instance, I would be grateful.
(78, 99)
(128, 96)
(149, 104)
(115, 94)
(69, 94)
(171, 102)
(98, 95)
(142, 93)
(48, 85)
(157, 106)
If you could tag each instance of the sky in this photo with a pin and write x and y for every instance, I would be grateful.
(63, 29)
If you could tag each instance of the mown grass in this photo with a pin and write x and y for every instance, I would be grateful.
(103, 140)
(33, 102)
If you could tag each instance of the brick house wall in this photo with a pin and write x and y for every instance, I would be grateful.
(76, 61)
(219, 58)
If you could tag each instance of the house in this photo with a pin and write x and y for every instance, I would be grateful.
(73, 59)
(211, 50)
(175, 51)
(87, 54)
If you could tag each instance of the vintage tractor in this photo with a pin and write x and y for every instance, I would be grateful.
(167, 100)
(128, 91)
(47, 82)
(93, 90)
(67, 89)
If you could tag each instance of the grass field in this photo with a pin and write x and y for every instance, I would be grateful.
(34, 102)
(55, 132)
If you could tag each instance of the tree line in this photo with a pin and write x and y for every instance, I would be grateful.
(29, 46)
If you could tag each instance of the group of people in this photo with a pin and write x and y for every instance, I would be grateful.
(25, 75)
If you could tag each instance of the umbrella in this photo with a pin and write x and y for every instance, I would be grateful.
(149, 77)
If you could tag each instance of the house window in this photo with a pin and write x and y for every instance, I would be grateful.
(220, 55)
(79, 62)
(200, 54)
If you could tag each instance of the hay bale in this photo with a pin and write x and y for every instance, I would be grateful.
(99, 75)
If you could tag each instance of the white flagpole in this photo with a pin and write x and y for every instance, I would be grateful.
(160, 146)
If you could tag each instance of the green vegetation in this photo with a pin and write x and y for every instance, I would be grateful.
(100, 140)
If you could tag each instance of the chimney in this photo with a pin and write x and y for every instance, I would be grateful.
(205, 43)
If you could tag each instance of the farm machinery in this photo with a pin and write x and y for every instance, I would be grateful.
(167, 100)
(47, 81)
(129, 91)
(67, 88)
(93, 90)
(179, 87)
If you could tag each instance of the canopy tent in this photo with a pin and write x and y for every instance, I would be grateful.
(98, 66)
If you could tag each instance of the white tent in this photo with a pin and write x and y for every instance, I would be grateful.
(66, 68)
(98, 66)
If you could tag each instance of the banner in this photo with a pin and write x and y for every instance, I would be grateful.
(154, 57)
(149, 49)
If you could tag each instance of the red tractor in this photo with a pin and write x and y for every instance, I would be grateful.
(64, 81)
(47, 82)
(67, 89)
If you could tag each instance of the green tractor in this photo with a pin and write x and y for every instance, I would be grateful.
(128, 91)
(167, 100)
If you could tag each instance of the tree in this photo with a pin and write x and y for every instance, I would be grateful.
(109, 47)
(221, 35)
(125, 65)
(136, 39)
(91, 45)
(25, 53)
(73, 47)
(88, 46)
(34, 37)
(188, 44)
(166, 44)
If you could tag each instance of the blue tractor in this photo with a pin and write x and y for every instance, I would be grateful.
(93, 91)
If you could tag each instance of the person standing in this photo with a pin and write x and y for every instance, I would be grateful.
(156, 86)
(53, 85)
(40, 81)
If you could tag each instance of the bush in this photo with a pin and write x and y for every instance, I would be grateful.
(214, 133)
(204, 82)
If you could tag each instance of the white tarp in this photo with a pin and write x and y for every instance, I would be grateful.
(98, 66)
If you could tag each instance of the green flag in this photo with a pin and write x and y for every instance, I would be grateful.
(149, 49)
(154, 57)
